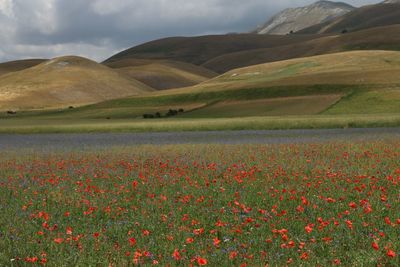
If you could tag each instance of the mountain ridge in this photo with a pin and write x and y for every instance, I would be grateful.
(294, 19)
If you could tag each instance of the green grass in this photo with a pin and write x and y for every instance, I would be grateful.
(277, 74)
(368, 102)
(135, 106)
(361, 106)
(217, 124)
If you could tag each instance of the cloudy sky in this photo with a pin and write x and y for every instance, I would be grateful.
(99, 28)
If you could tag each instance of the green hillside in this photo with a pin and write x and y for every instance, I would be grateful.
(360, 82)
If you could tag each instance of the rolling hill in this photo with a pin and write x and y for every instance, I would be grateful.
(13, 66)
(294, 19)
(356, 82)
(63, 82)
(384, 14)
(222, 53)
(379, 38)
(198, 50)
(162, 74)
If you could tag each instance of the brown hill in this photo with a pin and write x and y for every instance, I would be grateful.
(380, 38)
(63, 82)
(13, 66)
(222, 53)
(366, 17)
(198, 50)
(162, 74)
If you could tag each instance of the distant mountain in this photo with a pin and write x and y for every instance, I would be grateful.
(200, 49)
(378, 38)
(18, 65)
(391, 2)
(63, 82)
(296, 19)
(383, 14)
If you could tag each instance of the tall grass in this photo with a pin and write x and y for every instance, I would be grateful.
(169, 125)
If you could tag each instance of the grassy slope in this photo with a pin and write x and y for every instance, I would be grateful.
(163, 75)
(198, 50)
(62, 82)
(342, 90)
(222, 53)
(13, 66)
(381, 38)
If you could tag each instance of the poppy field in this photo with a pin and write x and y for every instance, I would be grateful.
(192, 205)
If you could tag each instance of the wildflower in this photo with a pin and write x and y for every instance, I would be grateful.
(352, 205)
(304, 256)
(146, 232)
(309, 228)
(176, 255)
(132, 241)
(390, 253)
(216, 241)
(69, 230)
(349, 224)
(233, 255)
(201, 261)
(58, 240)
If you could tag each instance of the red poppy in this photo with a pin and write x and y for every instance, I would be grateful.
(390, 253)
(201, 261)
(132, 241)
(58, 240)
(177, 256)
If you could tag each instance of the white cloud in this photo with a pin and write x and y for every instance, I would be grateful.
(6, 7)
(107, 7)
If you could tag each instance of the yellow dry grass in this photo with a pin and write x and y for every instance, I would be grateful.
(162, 74)
(63, 82)
(13, 66)
(280, 106)
(356, 67)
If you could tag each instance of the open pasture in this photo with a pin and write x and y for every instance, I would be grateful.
(219, 205)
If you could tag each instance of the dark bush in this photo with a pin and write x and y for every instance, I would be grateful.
(344, 31)
(148, 116)
(10, 112)
(158, 115)
(172, 112)
(181, 110)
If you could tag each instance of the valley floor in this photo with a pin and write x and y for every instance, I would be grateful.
(89, 141)
(34, 125)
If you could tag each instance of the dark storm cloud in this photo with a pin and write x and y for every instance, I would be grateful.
(98, 28)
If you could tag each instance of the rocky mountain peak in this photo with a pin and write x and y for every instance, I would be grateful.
(295, 19)
(391, 2)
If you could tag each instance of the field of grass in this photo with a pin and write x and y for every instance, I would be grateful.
(194, 205)
(352, 89)
(162, 75)
(24, 126)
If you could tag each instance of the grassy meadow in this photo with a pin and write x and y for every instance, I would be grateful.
(352, 89)
(194, 205)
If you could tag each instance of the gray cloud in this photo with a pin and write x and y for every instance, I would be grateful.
(99, 28)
